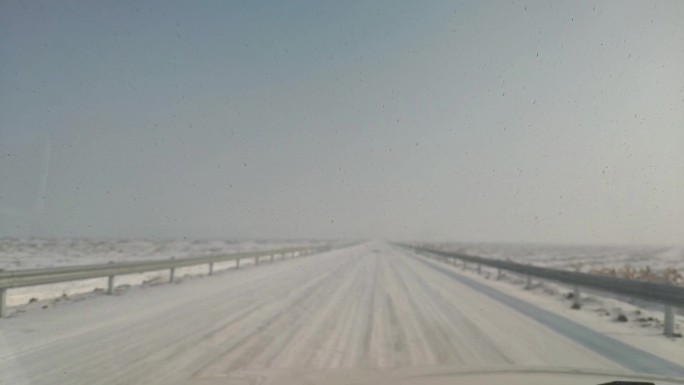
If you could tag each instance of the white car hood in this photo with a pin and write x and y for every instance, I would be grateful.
(429, 376)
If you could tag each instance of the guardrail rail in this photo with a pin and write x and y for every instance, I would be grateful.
(42, 276)
(668, 295)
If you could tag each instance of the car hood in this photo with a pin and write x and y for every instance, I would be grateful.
(428, 376)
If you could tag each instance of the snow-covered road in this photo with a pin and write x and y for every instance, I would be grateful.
(368, 306)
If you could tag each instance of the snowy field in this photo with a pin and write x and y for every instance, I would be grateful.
(370, 306)
(652, 263)
(19, 254)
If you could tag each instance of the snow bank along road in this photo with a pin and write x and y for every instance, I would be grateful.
(367, 306)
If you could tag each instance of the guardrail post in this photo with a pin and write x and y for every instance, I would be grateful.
(272, 255)
(498, 274)
(465, 265)
(576, 303)
(669, 321)
(110, 285)
(528, 282)
(237, 264)
(172, 274)
(479, 268)
(3, 303)
(211, 268)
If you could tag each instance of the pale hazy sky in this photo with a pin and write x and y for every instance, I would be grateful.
(479, 121)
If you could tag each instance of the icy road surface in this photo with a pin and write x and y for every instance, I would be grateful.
(368, 306)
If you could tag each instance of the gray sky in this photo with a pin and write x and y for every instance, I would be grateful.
(529, 122)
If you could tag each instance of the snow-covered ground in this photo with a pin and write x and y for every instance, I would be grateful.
(624, 261)
(372, 306)
(642, 326)
(635, 262)
(19, 254)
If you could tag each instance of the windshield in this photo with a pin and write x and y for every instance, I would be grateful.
(213, 190)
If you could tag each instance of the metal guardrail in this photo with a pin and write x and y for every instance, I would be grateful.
(43, 276)
(668, 295)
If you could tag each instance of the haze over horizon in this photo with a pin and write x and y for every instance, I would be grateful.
(517, 122)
